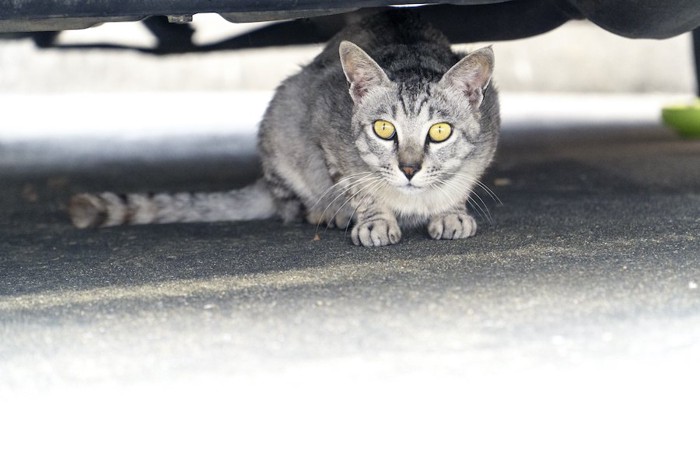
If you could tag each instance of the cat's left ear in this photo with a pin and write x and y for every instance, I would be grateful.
(472, 75)
(361, 71)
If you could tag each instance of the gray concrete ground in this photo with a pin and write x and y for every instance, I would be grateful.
(567, 332)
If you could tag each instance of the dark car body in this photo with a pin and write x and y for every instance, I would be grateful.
(314, 21)
(478, 19)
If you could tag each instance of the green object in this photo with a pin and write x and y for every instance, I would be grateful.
(685, 119)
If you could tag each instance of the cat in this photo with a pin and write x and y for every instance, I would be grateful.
(387, 128)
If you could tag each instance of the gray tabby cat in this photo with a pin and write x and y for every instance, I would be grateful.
(386, 128)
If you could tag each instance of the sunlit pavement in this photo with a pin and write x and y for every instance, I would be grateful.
(567, 332)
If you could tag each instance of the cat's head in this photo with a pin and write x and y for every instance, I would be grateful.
(418, 133)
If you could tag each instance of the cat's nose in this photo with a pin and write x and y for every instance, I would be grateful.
(409, 170)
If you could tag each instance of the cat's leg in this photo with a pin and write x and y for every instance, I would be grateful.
(375, 226)
(332, 206)
(342, 218)
(451, 225)
(337, 214)
(289, 209)
(287, 203)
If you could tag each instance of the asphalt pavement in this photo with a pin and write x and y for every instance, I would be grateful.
(566, 332)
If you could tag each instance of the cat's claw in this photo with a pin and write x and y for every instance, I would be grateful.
(379, 232)
(452, 226)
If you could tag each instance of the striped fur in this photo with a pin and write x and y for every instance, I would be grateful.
(109, 209)
(322, 160)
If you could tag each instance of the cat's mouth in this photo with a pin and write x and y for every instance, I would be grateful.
(410, 188)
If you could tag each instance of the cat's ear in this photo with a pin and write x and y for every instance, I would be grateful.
(361, 71)
(472, 75)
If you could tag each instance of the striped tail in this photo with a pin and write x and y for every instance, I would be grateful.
(110, 209)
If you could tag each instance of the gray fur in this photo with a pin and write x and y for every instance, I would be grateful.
(322, 160)
(109, 209)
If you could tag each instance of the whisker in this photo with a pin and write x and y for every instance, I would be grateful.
(339, 182)
(478, 210)
(446, 189)
(489, 192)
(376, 186)
(349, 187)
(479, 183)
(364, 188)
(367, 189)
(478, 204)
(485, 208)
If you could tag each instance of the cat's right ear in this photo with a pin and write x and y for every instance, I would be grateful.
(361, 71)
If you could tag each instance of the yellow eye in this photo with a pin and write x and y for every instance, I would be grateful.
(440, 132)
(384, 129)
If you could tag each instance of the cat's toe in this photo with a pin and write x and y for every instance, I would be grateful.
(452, 226)
(379, 232)
(87, 210)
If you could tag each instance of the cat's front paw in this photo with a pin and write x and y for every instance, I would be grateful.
(452, 226)
(377, 232)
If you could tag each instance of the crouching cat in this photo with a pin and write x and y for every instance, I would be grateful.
(386, 129)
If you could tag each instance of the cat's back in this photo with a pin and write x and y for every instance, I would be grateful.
(379, 35)
(399, 40)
